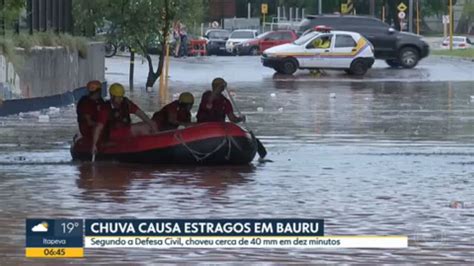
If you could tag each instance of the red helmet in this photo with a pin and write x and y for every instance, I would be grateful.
(94, 85)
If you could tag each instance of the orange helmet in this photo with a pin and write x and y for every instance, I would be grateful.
(94, 85)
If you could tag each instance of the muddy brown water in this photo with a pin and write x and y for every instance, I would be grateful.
(378, 158)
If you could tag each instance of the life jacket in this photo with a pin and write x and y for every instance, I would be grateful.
(161, 117)
(119, 117)
(84, 100)
(217, 111)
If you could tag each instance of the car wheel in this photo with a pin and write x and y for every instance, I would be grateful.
(392, 63)
(348, 71)
(358, 67)
(254, 51)
(289, 66)
(409, 57)
(278, 70)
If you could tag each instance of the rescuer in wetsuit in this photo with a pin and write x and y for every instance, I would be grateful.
(214, 106)
(115, 117)
(175, 114)
(88, 109)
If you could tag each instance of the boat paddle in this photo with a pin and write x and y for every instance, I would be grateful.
(262, 152)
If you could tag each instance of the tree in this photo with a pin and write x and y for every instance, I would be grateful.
(9, 12)
(89, 15)
(465, 24)
(139, 24)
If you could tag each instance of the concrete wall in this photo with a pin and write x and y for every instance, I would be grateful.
(48, 71)
(9, 79)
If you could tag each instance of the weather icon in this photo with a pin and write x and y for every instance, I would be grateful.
(41, 227)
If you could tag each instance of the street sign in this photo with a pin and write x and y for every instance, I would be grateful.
(264, 8)
(344, 9)
(445, 19)
(402, 7)
(401, 15)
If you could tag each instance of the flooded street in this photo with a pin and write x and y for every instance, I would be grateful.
(382, 155)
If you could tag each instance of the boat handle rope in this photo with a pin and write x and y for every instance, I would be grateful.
(200, 156)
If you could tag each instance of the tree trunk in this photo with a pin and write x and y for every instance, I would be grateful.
(152, 75)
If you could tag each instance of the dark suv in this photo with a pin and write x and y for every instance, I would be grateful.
(396, 48)
(216, 39)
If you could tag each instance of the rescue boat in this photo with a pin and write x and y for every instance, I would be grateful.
(205, 143)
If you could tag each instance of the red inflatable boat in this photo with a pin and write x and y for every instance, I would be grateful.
(206, 143)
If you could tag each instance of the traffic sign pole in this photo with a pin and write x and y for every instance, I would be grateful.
(264, 10)
(451, 25)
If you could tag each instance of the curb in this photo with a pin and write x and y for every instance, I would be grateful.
(455, 58)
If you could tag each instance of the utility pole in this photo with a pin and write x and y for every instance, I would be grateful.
(418, 17)
(410, 16)
(248, 10)
(372, 8)
(320, 7)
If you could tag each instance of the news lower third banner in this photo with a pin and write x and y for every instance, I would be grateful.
(69, 237)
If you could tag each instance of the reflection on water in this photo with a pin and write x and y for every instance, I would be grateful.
(370, 158)
(113, 181)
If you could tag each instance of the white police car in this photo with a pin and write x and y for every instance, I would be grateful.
(322, 49)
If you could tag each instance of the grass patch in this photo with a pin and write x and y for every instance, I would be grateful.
(8, 49)
(468, 53)
(26, 41)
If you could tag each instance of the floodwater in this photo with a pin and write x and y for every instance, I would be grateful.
(375, 158)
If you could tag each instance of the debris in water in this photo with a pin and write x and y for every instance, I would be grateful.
(332, 95)
(273, 95)
(280, 109)
(53, 110)
(30, 114)
(20, 158)
(43, 118)
(455, 204)
(259, 109)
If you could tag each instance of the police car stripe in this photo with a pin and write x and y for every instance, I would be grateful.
(360, 47)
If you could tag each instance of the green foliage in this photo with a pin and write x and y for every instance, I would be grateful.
(134, 23)
(88, 15)
(27, 42)
(11, 10)
(8, 49)
(433, 7)
(139, 23)
(469, 9)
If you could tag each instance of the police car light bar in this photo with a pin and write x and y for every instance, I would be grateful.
(322, 28)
